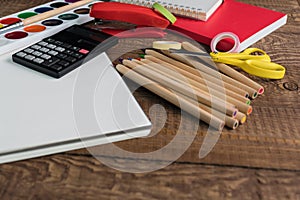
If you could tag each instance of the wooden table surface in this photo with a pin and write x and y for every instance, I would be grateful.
(259, 160)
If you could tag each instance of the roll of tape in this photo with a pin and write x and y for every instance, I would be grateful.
(166, 45)
(221, 36)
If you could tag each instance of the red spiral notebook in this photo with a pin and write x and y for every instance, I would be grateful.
(250, 23)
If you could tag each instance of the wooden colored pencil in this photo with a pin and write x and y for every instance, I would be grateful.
(228, 70)
(240, 77)
(194, 80)
(219, 104)
(193, 63)
(217, 84)
(172, 98)
(242, 106)
(56, 11)
(196, 72)
(230, 122)
(241, 117)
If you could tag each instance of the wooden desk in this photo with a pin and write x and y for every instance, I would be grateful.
(259, 160)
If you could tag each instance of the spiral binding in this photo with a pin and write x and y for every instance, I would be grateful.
(177, 9)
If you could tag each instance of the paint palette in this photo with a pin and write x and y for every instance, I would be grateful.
(27, 35)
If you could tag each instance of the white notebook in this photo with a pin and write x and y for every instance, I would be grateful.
(197, 9)
(41, 115)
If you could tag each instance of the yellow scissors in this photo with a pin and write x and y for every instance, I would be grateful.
(253, 61)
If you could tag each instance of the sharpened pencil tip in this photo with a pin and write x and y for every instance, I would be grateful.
(261, 90)
(121, 60)
(236, 124)
(254, 95)
(142, 56)
(249, 110)
(243, 120)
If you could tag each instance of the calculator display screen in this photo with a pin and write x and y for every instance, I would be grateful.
(84, 37)
(88, 33)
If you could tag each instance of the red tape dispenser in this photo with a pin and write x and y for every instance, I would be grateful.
(140, 16)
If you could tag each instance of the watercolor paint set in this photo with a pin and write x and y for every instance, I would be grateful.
(29, 34)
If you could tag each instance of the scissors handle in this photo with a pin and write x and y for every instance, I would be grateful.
(264, 69)
(258, 65)
(260, 68)
(251, 51)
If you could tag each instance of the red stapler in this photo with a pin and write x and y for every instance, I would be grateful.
(134, 14)
(125, 20)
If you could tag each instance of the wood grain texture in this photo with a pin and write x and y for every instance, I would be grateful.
(259, 160)
(80, 177)
(271, 131)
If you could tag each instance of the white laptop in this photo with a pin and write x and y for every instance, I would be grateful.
(41, 115)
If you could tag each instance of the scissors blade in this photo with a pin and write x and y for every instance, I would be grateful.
(189, 53)
(200, 57)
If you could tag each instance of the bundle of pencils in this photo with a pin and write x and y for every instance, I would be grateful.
(217, 97)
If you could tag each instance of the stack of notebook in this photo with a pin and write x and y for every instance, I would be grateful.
(203, 20)
(200, 9)
(250, 23)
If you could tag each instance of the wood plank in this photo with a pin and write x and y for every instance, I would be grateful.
(274, 4)
(274, 118)
(270, 139)
(263, 125)
(77, 177)
(272, 128)
(17, 6)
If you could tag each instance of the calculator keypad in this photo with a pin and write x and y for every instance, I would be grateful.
(52, 54)
(64, 51)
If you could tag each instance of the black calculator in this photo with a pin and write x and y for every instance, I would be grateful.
(64, 51)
